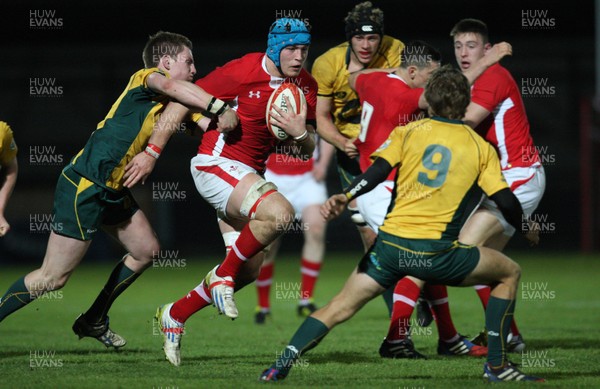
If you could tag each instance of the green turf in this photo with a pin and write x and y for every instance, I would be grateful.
(559, 318)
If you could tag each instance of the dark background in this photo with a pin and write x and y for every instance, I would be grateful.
(98, 46)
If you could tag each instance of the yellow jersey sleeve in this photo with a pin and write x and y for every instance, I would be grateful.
(392, 150)
(8, 147)
(324, 72)
(490, 179)
(143, 75)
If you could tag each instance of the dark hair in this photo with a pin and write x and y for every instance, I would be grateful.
(163, 43)
(448, 93)
(364, 19)
(474, 26)
(419, 54)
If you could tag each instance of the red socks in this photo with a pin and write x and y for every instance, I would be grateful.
(406, 294)
(194, 301)
(263, 285)
(310, 273)
(246, 246)
(437, 295)
(483, 291)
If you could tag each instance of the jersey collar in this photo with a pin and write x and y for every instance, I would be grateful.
(446, 120)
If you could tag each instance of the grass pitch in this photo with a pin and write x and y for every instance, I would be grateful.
(558, 313)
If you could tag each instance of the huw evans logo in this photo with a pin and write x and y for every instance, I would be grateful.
(537, 19)
(44, 19)
(44, 87)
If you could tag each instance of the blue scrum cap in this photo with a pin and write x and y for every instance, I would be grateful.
(286, 32)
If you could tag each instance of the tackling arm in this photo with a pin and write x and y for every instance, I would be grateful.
(141, 165)
(491, 57)
(375, 174)
(512, 211)
(475, 112)
(195, 98)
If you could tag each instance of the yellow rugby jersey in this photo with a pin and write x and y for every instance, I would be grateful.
(122, 134)
(8, 147)
(331, 72)
(441, 163)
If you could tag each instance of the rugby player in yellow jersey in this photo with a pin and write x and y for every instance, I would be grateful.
(9, 169)
(442, 161)
(92, 191)
(338, 106)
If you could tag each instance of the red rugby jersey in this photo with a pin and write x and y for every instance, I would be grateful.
(387, 102)
(507, 127)
(246, 83)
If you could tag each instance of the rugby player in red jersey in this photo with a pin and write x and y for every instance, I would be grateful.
(228, 170)
(498, 114)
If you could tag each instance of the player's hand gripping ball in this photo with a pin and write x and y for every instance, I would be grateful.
(296, 99)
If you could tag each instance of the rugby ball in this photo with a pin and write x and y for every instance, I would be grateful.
(296, 98)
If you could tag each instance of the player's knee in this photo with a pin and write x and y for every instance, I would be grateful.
(287, 216)
(280, 213)
(514, 273)
(315, 231)
(517, 271)
(144, 256)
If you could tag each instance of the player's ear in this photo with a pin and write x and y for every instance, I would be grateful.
(487, 47)
(412, 72)
(165, 62)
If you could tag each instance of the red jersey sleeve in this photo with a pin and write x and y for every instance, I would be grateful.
(311, 98)
(224, 81)
(486, 88)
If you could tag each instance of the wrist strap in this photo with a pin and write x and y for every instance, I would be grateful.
(153, 150)
(302, 137)
(217, 106)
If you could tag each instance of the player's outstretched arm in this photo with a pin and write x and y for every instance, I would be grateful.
(334, 206)
(141, 165)
(195, 98)
(364, 183)
(512, 211)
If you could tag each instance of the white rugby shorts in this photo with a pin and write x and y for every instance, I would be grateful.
(373, 205)
(301, 190)
(216, 177)
(528, 184)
